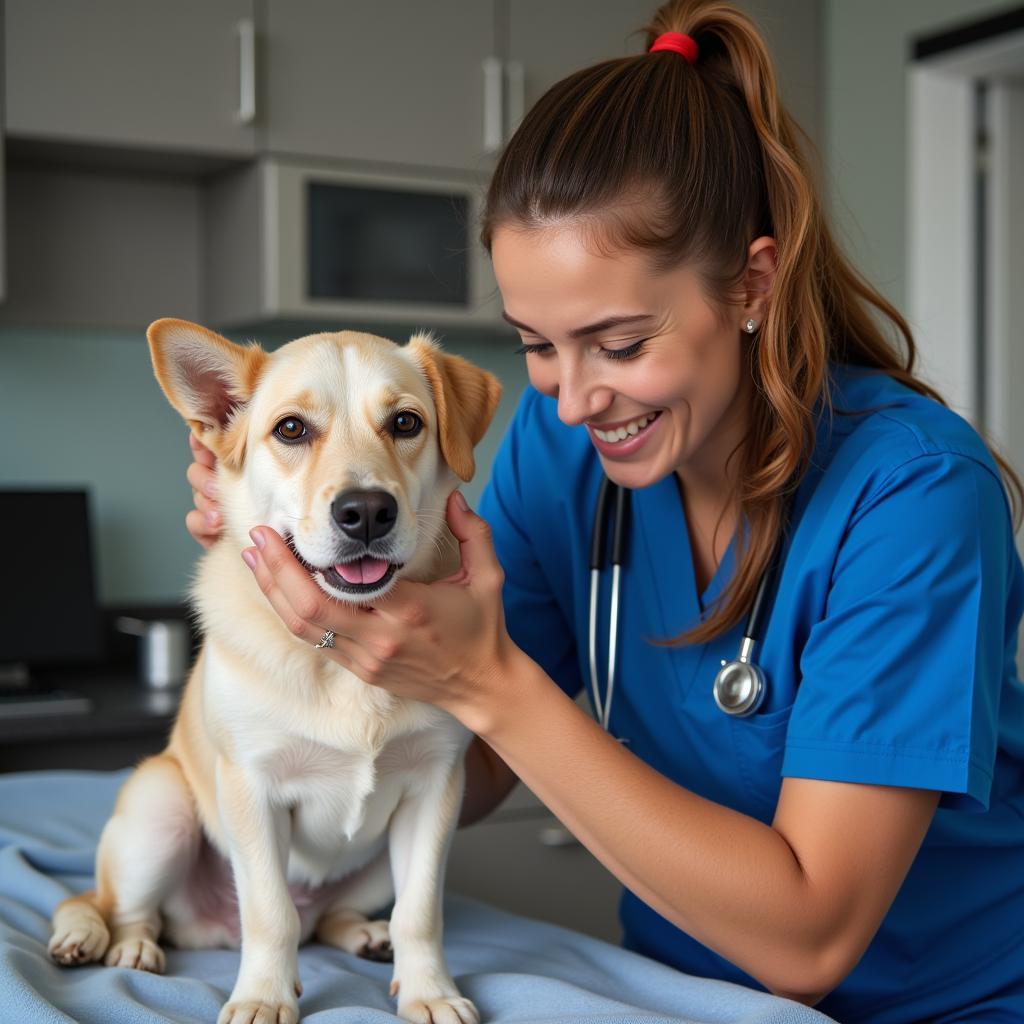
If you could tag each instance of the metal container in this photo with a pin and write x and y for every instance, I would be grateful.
(164, 648)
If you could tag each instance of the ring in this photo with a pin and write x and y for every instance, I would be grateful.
(327, 640)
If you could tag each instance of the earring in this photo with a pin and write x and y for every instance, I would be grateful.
(750, 327)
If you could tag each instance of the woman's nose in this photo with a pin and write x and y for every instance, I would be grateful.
(580, 399)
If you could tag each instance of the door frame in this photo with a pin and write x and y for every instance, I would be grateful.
(975, 373)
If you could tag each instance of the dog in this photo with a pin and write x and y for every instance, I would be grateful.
(293, 799)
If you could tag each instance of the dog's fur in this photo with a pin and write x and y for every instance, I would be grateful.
(294, 799)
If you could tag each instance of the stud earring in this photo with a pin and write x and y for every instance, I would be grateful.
(750, 327)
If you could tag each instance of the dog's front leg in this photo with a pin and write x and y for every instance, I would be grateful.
(420, 834)
(259, 834)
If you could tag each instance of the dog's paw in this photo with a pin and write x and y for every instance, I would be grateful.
(439, 1011)
(243, 1011)
(370, 940)
(81, 944)
(141, 954)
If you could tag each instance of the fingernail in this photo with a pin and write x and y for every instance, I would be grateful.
(257, 537)
(461, 501)
(210, 490)
(249, 558)
(212, 517)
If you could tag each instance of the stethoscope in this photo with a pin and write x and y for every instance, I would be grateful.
(740, 685)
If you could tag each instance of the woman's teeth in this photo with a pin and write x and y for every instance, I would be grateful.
(631, 428)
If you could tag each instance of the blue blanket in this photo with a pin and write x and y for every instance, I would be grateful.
(513, 968)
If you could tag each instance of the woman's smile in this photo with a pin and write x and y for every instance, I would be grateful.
(623, 441)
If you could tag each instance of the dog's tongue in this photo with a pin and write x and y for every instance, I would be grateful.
(365, 570)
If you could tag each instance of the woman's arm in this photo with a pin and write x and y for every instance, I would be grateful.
(794, 904)
(488, 781)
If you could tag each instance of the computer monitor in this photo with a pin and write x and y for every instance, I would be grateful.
(50, 616)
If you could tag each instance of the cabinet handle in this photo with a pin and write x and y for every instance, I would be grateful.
(493, 103)
(246, 112)
(516, 95)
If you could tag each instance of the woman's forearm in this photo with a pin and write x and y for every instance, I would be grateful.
(728, 880)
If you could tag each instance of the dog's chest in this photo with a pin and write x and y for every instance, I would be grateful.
(340, 803)
(329, 791)
(339, 755)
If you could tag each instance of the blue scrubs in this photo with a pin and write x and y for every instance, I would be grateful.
(890, 655)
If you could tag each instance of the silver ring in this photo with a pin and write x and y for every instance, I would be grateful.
(327, 640)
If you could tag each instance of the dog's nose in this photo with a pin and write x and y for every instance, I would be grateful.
(365, 515)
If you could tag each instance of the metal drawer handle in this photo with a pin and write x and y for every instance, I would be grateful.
(516, 95)
(493, 105)
(246, 112)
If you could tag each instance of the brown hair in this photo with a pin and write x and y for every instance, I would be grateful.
(690, 164)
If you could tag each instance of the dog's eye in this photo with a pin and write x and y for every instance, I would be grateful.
(407, 424)
(291, 428)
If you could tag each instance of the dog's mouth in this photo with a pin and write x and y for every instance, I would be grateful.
(363, 575)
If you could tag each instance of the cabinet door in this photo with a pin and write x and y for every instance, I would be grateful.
(399, 82)
(549, 41)
(128, 72)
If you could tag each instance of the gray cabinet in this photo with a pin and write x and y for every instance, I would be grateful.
(367, 81)
(401, 82)
(190, 87)
(132, 73)
(548, 41)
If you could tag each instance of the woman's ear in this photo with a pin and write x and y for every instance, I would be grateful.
(207, 379)
(466, 398)
(760, 277)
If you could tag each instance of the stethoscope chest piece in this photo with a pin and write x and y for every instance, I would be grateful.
(739, 687)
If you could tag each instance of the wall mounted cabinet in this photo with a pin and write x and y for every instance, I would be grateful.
(132, 73)
(401, 82)
(197, 90)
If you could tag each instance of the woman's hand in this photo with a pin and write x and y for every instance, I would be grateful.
(204, 521)
(444, 643)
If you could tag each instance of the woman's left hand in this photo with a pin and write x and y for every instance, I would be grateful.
(444, 642)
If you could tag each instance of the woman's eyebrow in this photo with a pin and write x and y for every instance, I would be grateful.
(580, 332)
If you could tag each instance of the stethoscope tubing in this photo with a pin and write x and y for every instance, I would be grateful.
(609, 494)
(620, 532)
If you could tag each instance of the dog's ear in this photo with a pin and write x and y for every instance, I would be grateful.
(207, 379)
(465, 396)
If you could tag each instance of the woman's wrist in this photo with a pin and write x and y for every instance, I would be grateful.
(497, 694)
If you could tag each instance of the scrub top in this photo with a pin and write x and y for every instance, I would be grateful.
(889, 652)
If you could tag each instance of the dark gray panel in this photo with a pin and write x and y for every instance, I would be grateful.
(100, 249)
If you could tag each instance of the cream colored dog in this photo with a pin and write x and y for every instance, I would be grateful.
(317, 797)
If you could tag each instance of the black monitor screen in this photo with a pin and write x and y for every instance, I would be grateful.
(387, 245)
(49, 614)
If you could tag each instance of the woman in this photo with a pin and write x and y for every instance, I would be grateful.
(856, 842)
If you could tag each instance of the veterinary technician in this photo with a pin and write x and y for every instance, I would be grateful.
(692, 332)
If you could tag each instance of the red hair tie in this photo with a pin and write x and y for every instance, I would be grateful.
(678, 42)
